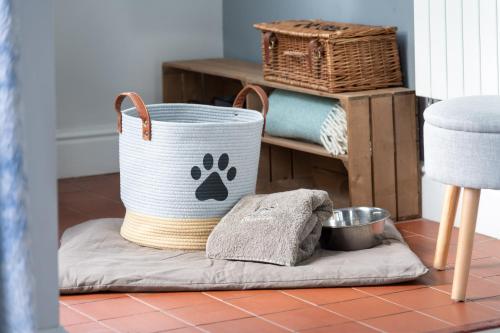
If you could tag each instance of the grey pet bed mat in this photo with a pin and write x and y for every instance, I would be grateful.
(94, 257)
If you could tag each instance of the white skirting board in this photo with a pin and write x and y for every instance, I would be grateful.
(87, 151)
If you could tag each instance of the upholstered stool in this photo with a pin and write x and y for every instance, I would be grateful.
(462, 150)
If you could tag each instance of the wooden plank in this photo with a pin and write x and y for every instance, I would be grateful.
(301, 164)
(384, 164)
(407, 163)
(172, 87)
(281, 163)
(301, 146)
(331, 176)
(217, 86)
(180, 86)
(359, 150)
(250, 72)
(192, 88)
(264, 173)
(375, 92)
(301, 173)
(231, 68)
(314, 172)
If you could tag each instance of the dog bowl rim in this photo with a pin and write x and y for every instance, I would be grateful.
(386, 215)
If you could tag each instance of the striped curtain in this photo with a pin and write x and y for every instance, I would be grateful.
(16, 313)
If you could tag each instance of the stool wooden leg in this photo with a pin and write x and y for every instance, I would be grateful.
(446, 226)
(470, 205)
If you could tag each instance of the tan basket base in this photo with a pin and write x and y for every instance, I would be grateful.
(165, 233)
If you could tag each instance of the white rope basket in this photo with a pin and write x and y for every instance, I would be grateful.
(183, 166)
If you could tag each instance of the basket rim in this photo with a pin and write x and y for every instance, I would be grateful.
(257, 116)
(287, 27)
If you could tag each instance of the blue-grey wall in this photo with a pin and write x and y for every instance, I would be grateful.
(241, 40)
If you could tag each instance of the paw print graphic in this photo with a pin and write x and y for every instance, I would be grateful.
(213, 186)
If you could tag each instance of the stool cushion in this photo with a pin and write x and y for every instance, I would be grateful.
(468, 114)
(462, 142)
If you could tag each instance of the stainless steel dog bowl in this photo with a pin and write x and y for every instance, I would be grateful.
(354, 228)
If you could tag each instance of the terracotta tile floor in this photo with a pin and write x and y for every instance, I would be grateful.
(420, 306)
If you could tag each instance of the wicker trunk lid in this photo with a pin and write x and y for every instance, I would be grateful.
(330, 56)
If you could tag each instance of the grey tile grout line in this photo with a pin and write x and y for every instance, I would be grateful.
(451, 245)
(487, 278)
(435, 289)
(409, 236)
(91, 318)
(166, 313)
(440, 290)
(208, 292)
(428, 237)
(456, 244)
(484, 277)
(334, 312)
(92, 301)
(406, 221)
(410, 309)
(477, 277)
(474, 301)
(450, 267)
(249, 312)
(484, 305)
(390, 293)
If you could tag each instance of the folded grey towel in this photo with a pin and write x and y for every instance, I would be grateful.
(279, 228)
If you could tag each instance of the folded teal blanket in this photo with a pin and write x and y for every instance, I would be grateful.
(310, 118)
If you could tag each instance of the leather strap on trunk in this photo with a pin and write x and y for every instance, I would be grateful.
(270, 41)
(315, 51)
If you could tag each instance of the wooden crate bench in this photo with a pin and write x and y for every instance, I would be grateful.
(381, 167)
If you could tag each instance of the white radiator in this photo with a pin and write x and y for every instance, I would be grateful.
(457, 47)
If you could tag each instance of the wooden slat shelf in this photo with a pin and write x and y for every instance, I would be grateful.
(381, 167)
(301, 146)
(250, 72)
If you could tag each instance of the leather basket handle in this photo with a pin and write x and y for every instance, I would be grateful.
(141, 110)
(240, 99)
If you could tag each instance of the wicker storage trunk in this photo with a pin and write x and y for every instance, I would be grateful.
(330, 56)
